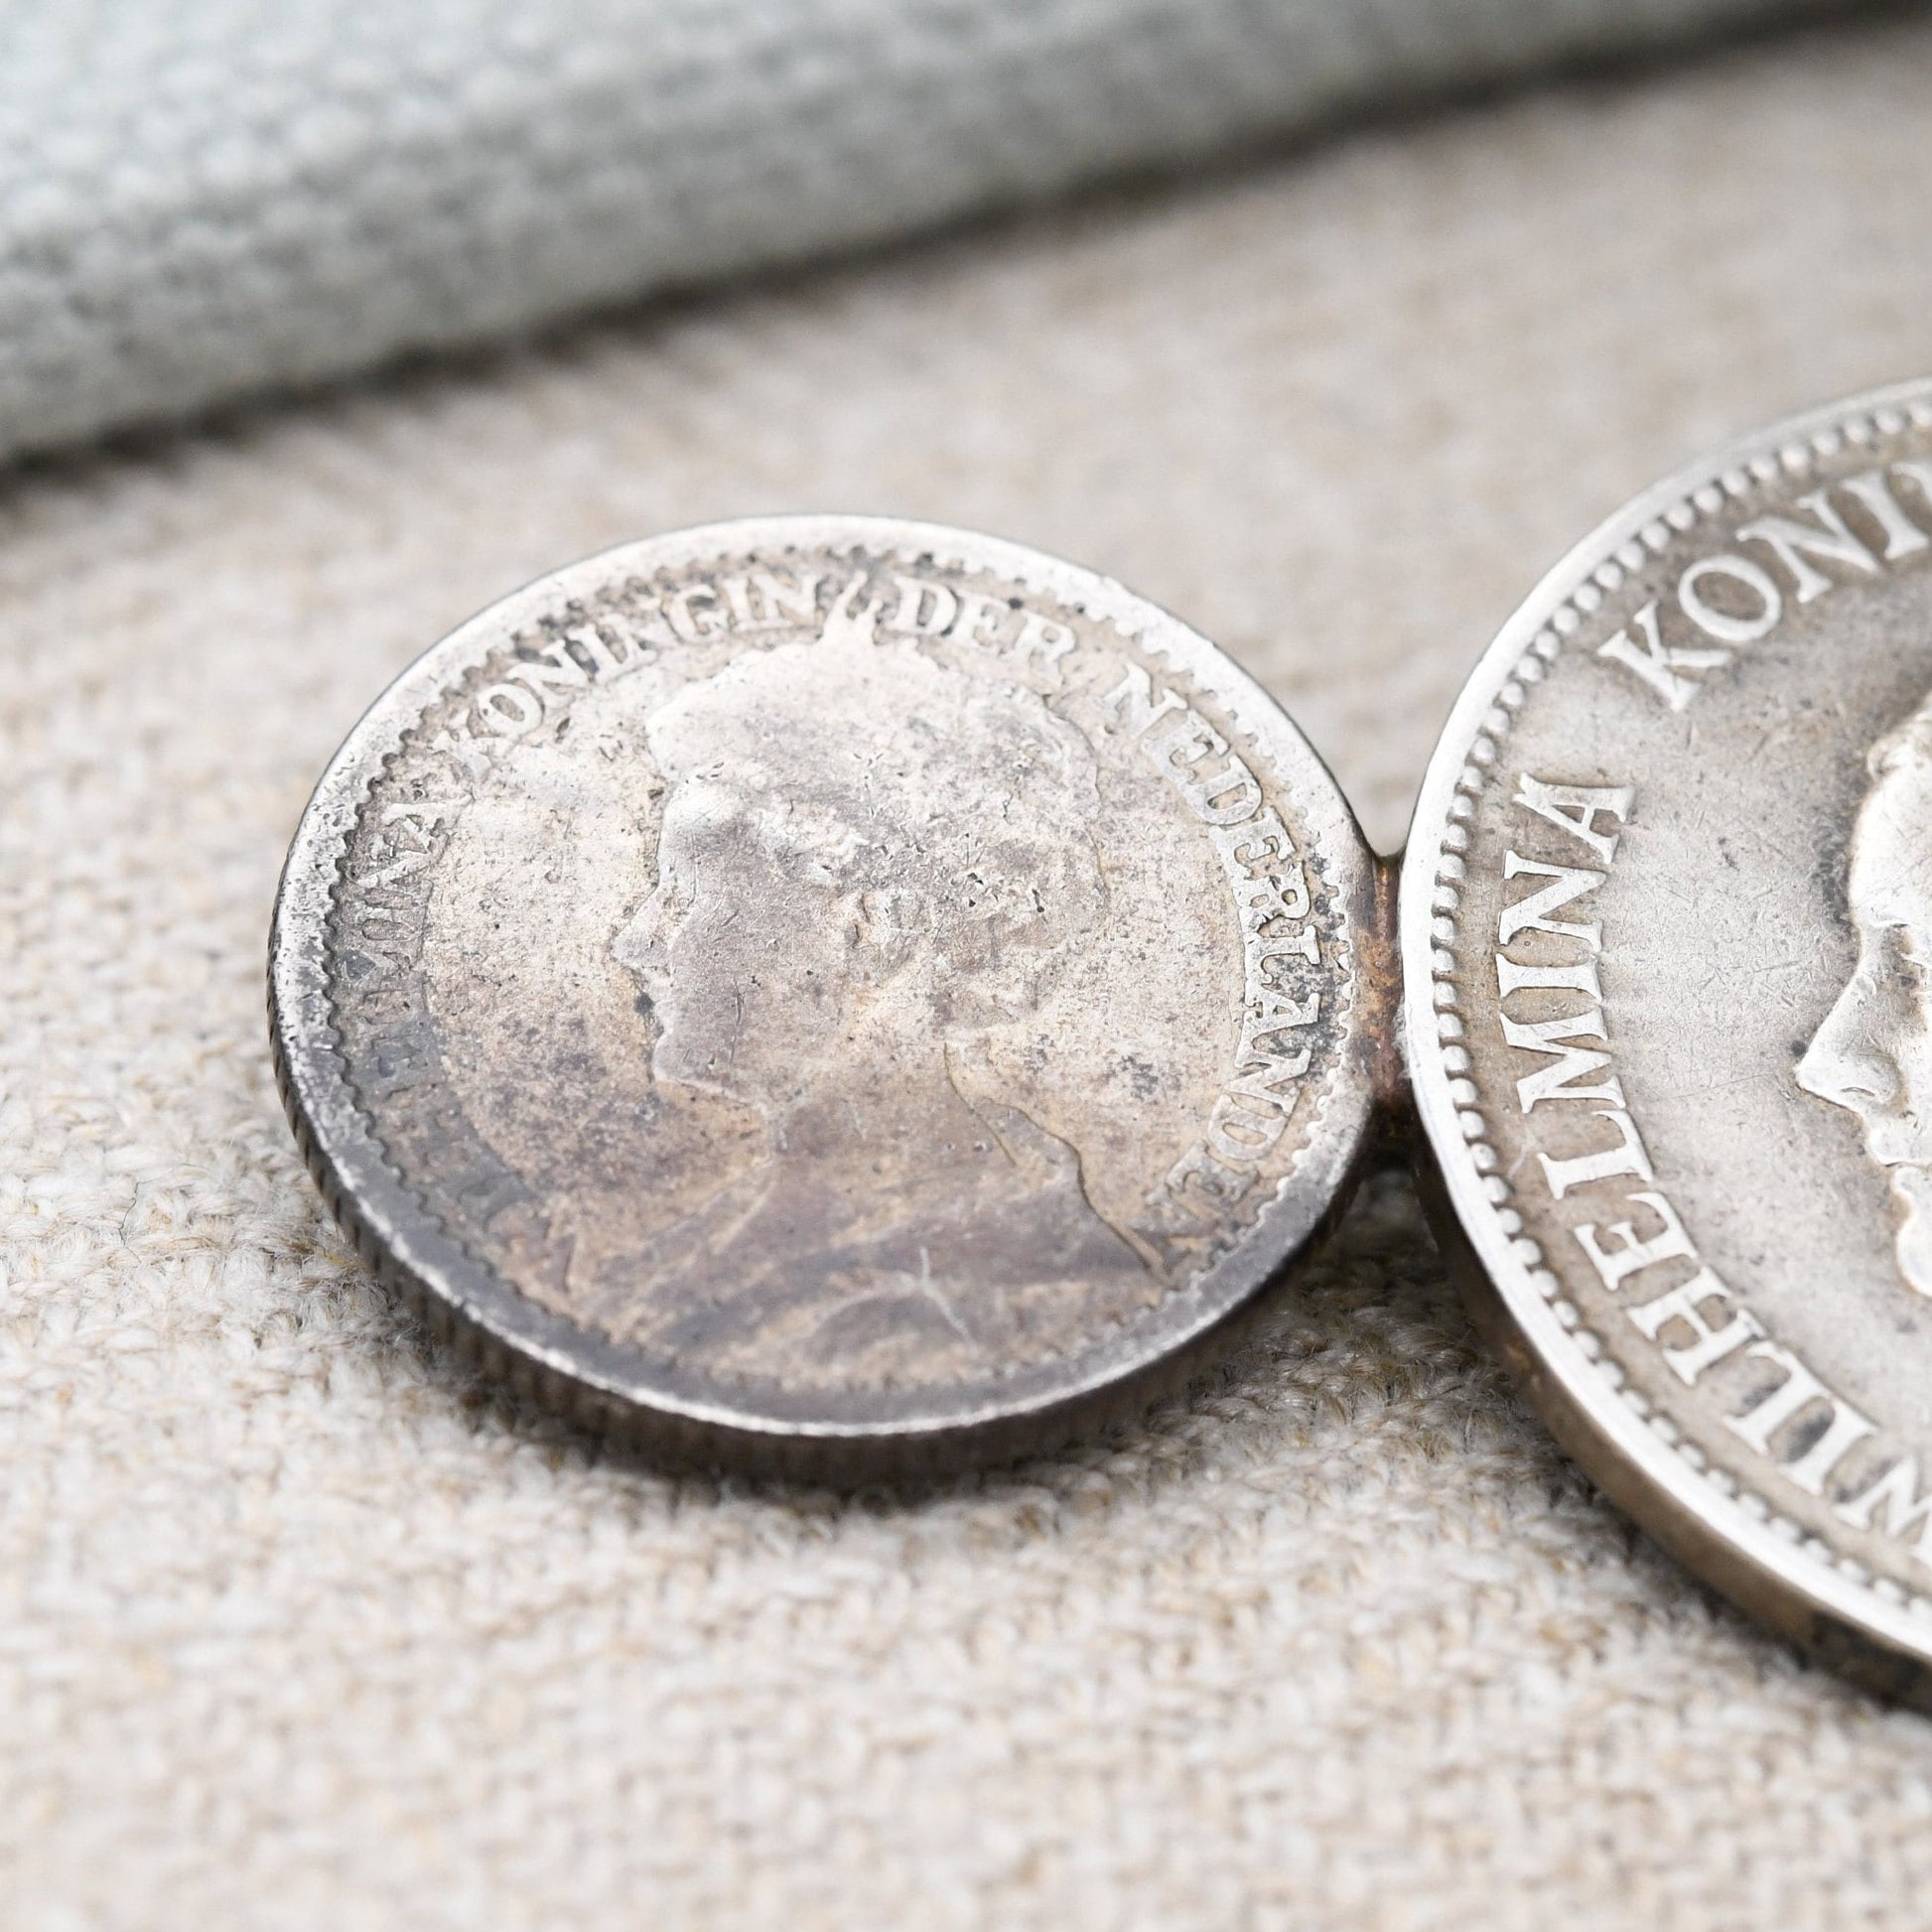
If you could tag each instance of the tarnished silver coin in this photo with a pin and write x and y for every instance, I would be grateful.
(1667, 940)
(836, 995)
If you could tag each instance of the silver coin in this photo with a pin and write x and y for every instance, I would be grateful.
(829, 994)
(1666, 928)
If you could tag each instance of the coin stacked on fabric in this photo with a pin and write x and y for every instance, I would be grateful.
(851, 997)
(835, 995)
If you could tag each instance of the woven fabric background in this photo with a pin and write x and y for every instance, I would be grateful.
(204, 197)
(300, 1628)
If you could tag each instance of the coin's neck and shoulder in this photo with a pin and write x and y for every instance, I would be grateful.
(881, 1188)
(919, 1126)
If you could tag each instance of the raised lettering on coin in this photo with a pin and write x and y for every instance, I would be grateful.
(1667, 943)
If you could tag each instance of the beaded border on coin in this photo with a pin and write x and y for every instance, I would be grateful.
(1732, 1533)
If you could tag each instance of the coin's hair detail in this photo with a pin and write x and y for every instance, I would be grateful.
(941, 862)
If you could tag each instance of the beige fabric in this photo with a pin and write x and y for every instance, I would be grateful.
(300, 1628)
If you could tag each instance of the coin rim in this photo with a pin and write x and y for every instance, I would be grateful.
(610, 1384)
(1739, 1553)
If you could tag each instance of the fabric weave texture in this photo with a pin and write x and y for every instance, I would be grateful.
(301, 1628)
(208, 197)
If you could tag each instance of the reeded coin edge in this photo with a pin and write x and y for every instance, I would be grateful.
(1636, 1454)
(616, 1387)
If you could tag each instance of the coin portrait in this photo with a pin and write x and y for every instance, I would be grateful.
(838, 919)
(1873, 1054)
(819, 986)
(1666, 930)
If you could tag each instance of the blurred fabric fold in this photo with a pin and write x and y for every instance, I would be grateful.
(219, 196)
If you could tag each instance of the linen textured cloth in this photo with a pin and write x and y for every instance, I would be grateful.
(300, 1627)
(204, 197)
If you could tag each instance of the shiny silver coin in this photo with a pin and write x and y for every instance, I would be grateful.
(834, 995)
(1667, 941)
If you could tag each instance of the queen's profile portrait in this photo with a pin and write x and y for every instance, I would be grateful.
(1873, 1053)
(867, 857)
